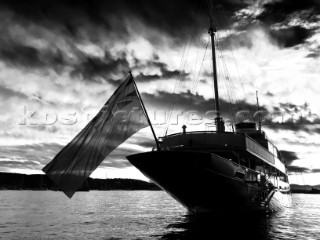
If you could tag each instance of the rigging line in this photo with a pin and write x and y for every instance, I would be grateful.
(180, 66)
(178, 89)
(226, 92)
(220, 72)
(177, 83)
(196, 82)
(236, 65)
(229, 88)
(228, 76)
(204, 56)
(237, 101)
(304, 183)
(194, 79)
(180, 78)
(195, 66)
(236, 49)
(174, 97)
(295, 173)
(229, 83)
(229, 79)
(223, 71)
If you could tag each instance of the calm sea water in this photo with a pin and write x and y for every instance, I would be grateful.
(143, 215)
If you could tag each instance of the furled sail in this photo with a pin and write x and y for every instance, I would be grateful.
(120, 118)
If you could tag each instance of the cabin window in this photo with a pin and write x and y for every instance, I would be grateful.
(271, 148)
(239, 175)
(283, 177)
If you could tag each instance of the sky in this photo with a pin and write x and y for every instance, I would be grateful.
(60, 61)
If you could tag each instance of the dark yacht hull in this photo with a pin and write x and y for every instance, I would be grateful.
(202, 181)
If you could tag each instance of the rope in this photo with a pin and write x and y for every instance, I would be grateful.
(236, 65)
(178, 82)
(196, 80)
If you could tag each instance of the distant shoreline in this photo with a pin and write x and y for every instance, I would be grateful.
(313, 191)
(305, 192)
(17, 181)
(306, 189)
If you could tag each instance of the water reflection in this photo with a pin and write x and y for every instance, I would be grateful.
(242, 226)
(144, 215)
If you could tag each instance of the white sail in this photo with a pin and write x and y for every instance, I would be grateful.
(120, 118)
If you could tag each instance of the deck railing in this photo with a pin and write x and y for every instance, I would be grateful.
(209, 139)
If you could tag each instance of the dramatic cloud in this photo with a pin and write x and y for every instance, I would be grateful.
(279, 11)
(291, 36)
(188, 101)
(61, 60)
(297, 169)
(159, 15)
(289, 156)
(93, 68)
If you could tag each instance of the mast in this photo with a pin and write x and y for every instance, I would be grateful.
(259, 119)
(145, 113)
(212, 30)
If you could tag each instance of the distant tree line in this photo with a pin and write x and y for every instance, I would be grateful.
(295, 188)
(15, 181)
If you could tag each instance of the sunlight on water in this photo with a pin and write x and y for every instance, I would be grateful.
(143, 215)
